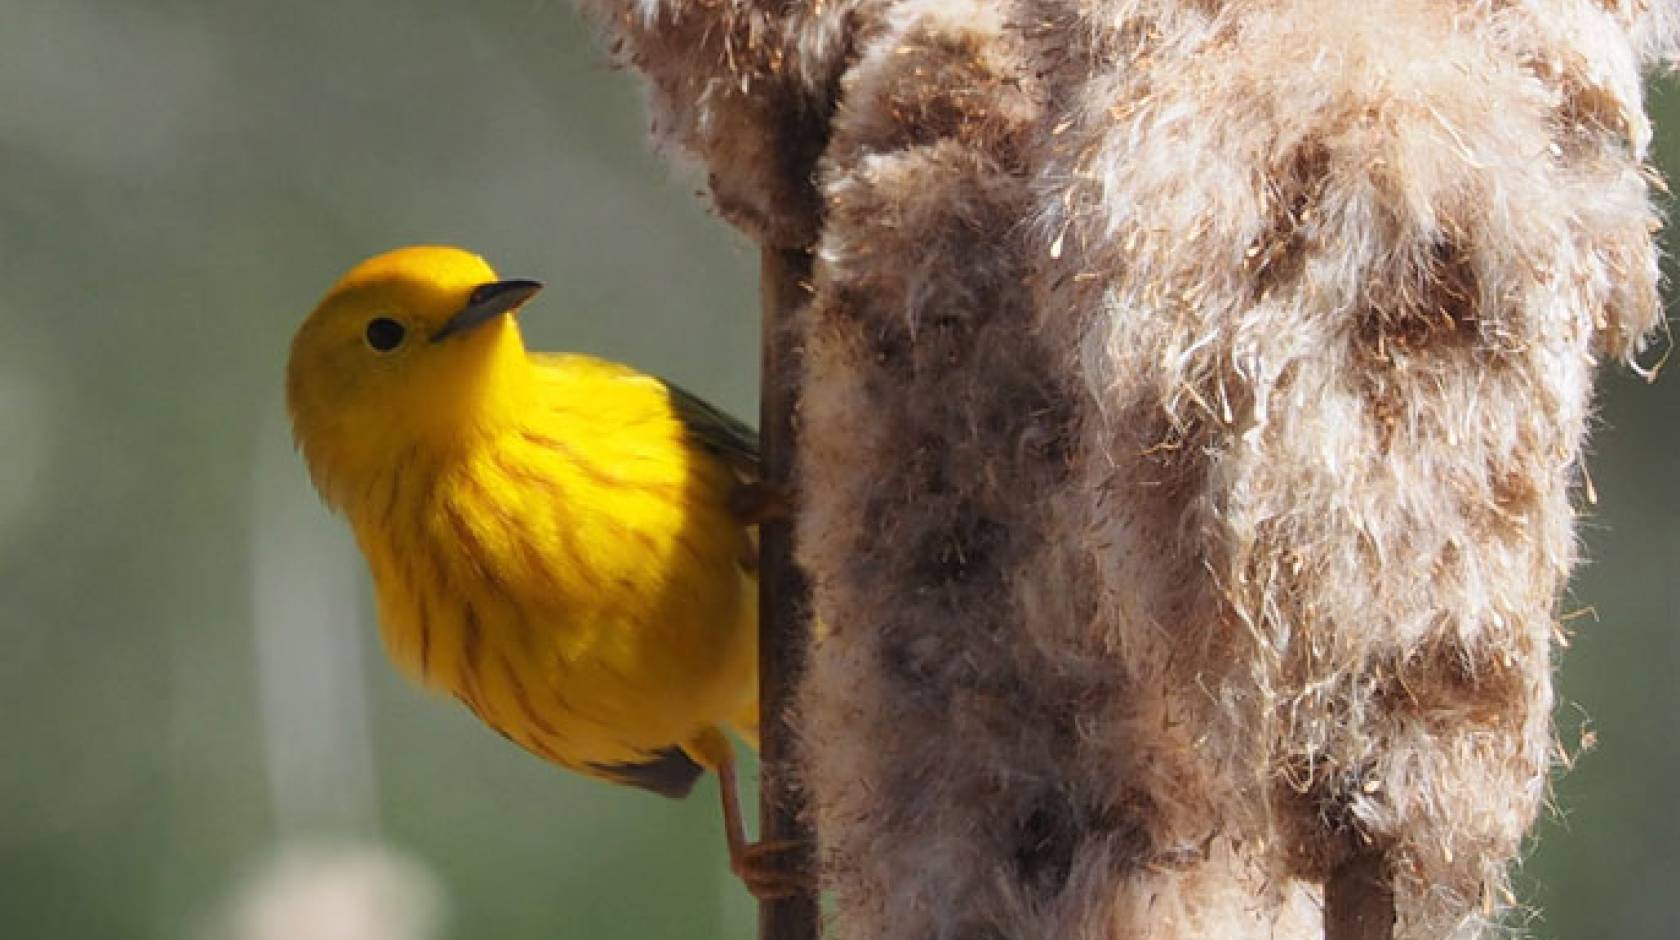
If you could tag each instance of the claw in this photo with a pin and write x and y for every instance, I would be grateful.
(758, 503)
(766, 869)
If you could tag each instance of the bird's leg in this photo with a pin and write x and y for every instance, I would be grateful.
(759, 865)
(757, 503)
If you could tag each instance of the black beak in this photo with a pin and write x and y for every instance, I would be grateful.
(488, 301)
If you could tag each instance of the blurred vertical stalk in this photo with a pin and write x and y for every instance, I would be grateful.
(316, 736)
(783, 596)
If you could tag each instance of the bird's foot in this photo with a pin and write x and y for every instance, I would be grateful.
(772, 870)
(758, 503)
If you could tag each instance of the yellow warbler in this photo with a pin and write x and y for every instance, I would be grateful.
(551, 537)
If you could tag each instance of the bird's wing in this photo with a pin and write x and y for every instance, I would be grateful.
(715, 430)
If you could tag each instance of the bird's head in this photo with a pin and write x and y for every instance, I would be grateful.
(413, 352)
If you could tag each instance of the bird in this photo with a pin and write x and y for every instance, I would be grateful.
(562, 543)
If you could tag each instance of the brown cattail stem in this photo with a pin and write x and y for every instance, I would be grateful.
(783, 598)
(1359, 900)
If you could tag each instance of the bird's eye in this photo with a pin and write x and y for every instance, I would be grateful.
(385, 334)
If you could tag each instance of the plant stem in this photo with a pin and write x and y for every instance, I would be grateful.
(1359, 901)
(783, 597)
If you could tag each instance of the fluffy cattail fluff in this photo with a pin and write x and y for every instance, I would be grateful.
(1194, 397)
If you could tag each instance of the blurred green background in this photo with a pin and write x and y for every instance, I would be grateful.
(194, 701)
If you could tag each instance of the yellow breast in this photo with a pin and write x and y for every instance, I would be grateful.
(574, 577)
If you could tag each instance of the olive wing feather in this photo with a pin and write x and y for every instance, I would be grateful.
(716, 430)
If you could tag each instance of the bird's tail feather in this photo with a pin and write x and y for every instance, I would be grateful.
(670, 772)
